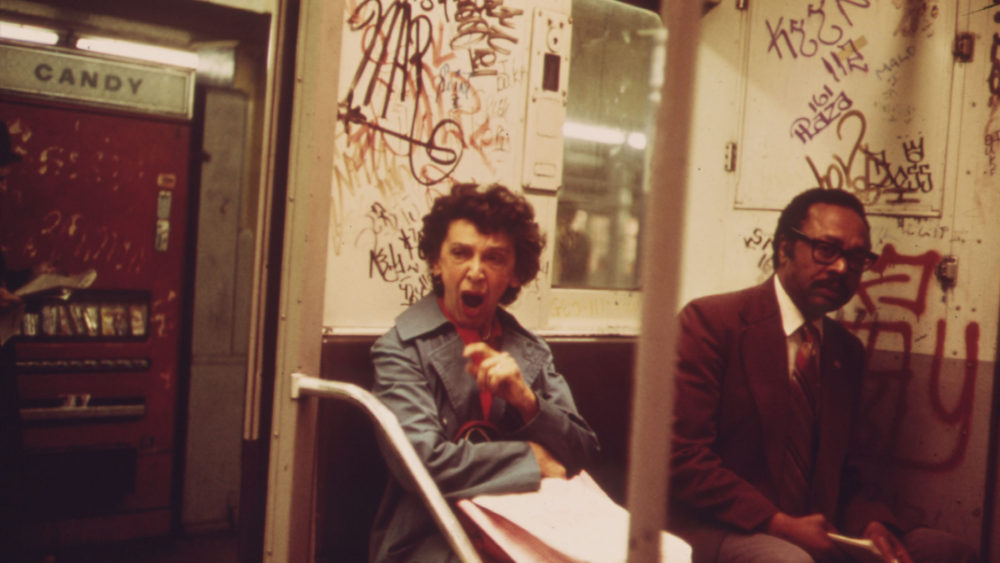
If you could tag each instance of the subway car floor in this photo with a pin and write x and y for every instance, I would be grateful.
(208, 548)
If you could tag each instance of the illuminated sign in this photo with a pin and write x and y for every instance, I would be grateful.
(67, 75)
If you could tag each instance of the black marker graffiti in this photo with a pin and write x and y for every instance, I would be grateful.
(484, 38)
(848, 58)
(875, 178)
(393, 256)
(394, 43)
(826, 109)
(812, 30)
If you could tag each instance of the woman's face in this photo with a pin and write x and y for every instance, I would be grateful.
(476, 270)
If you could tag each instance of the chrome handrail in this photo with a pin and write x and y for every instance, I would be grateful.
(386, 421)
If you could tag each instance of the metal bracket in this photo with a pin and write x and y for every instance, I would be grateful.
(947, 271)
(965, 44)
(730, 164)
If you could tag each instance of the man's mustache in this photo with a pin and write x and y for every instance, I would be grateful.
(837, 284)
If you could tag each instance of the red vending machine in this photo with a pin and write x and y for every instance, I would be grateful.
(101, 191)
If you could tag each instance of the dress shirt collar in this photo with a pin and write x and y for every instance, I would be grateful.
(791, 317)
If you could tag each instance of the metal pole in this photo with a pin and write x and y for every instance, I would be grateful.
(653, 392)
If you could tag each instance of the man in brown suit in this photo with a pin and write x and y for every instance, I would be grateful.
(767, 389)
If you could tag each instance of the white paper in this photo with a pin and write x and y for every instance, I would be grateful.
(48, 281)
(861, 549)
(576, 518)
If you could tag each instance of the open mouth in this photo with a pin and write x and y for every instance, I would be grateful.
(472, 300)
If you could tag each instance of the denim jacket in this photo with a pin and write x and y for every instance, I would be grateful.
(420, 375)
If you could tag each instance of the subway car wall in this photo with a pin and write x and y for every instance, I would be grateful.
(862, 112)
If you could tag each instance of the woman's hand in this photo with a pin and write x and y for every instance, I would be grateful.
(549, 465)
(498, 373)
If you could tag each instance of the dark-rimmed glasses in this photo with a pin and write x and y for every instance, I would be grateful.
(826, 253)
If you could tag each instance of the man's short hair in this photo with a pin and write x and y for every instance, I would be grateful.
(794, 214)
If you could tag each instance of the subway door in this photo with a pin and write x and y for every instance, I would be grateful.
(98, 368)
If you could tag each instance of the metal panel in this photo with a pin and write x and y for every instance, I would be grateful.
(836, 96)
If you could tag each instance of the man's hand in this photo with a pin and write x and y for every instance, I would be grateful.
(498, 373)
(43, 267)
(548, 464)
(892, 549)
(807, 532)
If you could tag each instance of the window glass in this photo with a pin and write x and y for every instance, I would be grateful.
(609, 120)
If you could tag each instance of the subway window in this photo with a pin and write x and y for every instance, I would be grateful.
(607, 135)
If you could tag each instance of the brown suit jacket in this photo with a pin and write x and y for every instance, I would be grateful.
(731, 416)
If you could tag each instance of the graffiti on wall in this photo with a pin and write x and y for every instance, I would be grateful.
(868, 173)
(898, 288)
(846, 71)
(991, 134)
(412, 99)
(822, 32)
(392, 237)
(430, 96)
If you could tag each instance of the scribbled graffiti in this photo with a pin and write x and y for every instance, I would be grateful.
(917, 17)
(394, 43)
(888, 69)
(63, 235)
(825, 110)
(991, 134)
(994, 77)
(870, 175)
(484, 30)
(847, 58)
(760, 241)
(411, 98)
(898, 287)
(415, 113)
(822, 31)
(391, 237)
(804, 36)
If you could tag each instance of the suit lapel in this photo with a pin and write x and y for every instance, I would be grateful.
(764, 353)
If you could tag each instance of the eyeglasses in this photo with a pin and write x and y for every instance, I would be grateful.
(826, 253)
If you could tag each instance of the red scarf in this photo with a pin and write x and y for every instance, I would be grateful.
(470, 336)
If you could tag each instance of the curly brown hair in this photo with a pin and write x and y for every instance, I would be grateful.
(494, 209)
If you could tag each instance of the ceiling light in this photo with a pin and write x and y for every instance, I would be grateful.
(28, 33)
(143, 51)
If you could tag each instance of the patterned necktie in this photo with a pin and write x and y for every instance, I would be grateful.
(800, 449)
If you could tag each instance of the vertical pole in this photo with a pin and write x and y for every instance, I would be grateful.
(289, 534)
(652, 401)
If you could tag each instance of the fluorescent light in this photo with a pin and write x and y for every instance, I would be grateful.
(143, 51)
(28, 33)
(593, 133)
(603, 135)
(636, 140)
